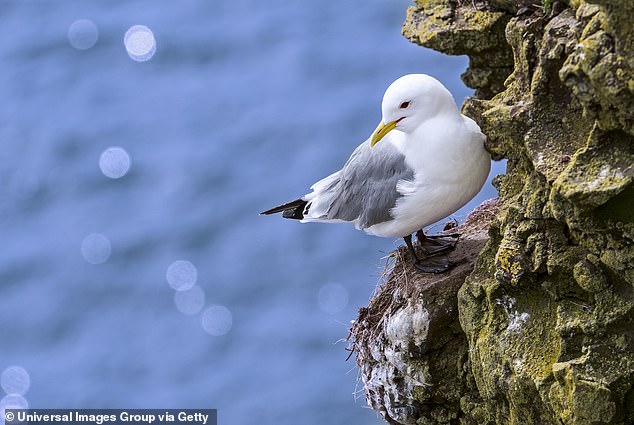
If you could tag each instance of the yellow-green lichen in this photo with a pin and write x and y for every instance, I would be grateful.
(553, 292)
(457, 28)
(546, 318)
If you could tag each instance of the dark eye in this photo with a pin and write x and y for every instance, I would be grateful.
(404, 105)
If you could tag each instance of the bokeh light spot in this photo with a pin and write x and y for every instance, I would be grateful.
(140, 43)
(96, 248)
(83, 34)
(12, 401)
(181, 275)
(114, 162)
(15, 380)
(190, 301)
(217, 320)
(332, 298)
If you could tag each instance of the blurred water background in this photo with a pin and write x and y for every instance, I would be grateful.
(139, 140)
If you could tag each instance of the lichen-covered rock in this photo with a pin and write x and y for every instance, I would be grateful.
(547, 315)
(409, 345)
(455, 30)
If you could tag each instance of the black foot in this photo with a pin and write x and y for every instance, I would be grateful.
(437, 244)
(428, 265)
(434, 265)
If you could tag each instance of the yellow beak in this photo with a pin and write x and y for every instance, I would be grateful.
(381, 131)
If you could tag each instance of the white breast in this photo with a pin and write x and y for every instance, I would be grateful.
(451, 166)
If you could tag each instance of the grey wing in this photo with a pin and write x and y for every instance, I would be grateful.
(366, 188)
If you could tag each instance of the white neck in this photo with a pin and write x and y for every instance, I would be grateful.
(438, 144)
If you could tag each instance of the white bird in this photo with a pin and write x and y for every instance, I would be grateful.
(431, 161)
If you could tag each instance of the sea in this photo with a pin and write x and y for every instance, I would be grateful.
(139, 140)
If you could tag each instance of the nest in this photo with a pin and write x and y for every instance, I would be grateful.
(411, 318)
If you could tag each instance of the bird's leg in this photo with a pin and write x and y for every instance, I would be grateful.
(437, 244)
(428, 265)
(410, 247)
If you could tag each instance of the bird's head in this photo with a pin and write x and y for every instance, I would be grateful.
(410, 101)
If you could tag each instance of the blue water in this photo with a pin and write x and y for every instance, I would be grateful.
(244, 105)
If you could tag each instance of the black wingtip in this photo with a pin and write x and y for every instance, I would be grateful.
(275, 210)
(293, 209)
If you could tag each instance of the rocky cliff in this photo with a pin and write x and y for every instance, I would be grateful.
(539, 327)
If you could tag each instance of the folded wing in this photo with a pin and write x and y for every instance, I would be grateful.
(364, 191)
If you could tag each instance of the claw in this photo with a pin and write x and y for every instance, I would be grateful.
(432, 263)
(437, 244)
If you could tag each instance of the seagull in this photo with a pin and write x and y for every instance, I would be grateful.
(431, 161)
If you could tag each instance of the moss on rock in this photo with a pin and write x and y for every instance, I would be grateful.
(546, 317)
(409, 344)
(451, 28)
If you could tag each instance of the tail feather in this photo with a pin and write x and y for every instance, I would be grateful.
(293, 209)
